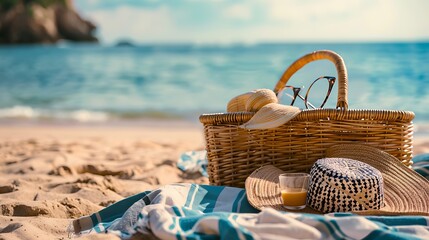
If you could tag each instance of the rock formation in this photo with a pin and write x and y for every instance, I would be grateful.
(42, 21)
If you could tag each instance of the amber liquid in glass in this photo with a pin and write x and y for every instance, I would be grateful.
(294, 198)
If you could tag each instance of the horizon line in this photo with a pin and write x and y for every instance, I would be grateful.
(258, 43)
(214, 44)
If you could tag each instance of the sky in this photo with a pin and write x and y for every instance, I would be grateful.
(256, 21)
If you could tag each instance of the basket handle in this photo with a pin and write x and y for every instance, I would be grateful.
(338, 61)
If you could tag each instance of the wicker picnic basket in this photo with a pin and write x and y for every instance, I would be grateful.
(234, 153)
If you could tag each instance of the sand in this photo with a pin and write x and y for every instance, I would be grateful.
(51, 174)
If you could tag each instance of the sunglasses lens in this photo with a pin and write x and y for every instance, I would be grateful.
(319, 93)
(315, 96)
(288, 95)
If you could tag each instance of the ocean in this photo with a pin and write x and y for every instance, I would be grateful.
(97, 83)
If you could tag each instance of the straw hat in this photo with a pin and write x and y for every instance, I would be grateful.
(405, 191)
(269, 113)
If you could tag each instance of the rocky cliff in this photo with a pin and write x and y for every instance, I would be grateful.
(42, 21)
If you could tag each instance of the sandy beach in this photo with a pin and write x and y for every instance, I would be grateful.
(51, 174)
(99, 99)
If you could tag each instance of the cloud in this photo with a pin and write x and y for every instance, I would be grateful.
(213, 21)
(238, 11)
(296, 10)
(134, 24)
(352, 20)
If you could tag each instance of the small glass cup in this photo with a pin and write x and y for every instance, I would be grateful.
(294, 187)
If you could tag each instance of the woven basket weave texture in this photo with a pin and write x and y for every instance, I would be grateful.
(234, 153)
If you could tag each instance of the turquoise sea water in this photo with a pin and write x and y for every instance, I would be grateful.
(99, 83)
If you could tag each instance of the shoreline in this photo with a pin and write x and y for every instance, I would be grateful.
(125, 133)
(148, 128)
(421, 129)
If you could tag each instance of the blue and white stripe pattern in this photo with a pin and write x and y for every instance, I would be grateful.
(191, 211)
(421, 164)
(193, 161)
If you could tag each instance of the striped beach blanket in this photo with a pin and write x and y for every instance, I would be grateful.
(196, 161)
(192, 211)
(193, 161)
(421, 164)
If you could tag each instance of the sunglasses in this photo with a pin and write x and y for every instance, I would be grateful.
(297, 90)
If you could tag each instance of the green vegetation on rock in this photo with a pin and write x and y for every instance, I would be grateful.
(8, 4)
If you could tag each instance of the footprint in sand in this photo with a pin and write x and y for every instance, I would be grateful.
(10, 228)
(125, 173)
(20, 209)
(8, 188)
(63, 171)
(65, 208)
(100, 189)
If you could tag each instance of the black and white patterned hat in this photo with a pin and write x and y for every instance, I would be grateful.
(353, 178)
